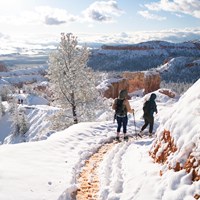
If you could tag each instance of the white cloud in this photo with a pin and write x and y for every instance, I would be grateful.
(189, 7)
(54, 16)
(146, 14)
(102, 11)
(53, 21)
(40, 15)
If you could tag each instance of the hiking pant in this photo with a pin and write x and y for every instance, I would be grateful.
(122, 121)
(148, 120)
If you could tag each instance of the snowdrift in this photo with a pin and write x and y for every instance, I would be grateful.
(178, 137)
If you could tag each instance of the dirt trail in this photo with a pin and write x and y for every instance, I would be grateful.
(88, 179)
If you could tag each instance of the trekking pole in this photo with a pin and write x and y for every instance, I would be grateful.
(135, 125)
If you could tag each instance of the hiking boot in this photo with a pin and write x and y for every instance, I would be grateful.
(126, 137)
(117, 138)
(140, 134)
(150, 134)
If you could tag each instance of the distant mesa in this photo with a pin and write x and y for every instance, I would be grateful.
(150, 45)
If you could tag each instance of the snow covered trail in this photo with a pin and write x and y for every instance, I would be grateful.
(88, 179)
(115, 169)
(48, 169)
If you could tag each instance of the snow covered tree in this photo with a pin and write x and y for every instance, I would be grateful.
(23, 123)
(18, 119)
(2, 109)
(73, 82)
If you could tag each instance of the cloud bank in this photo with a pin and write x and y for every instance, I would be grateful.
(13, 43)
(189, 7)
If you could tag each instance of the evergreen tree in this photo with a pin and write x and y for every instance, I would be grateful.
(73, 82)
(23, 123)
(18, 119)
(2, 109)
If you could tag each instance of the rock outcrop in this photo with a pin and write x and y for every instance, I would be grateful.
(151, 82)
(113, 88)
(167, 92)
(165, 146)
(133, 81)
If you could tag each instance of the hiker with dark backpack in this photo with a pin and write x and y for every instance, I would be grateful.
(122, 107)
(149, 108)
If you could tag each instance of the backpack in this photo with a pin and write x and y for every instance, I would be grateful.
(147, 107)
(120, 109)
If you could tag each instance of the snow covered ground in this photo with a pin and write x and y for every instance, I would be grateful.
(48, 169)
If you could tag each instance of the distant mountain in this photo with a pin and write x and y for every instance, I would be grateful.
(177, 62)
(144, 56)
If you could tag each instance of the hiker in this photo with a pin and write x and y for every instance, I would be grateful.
(121, 106)
(149, 108)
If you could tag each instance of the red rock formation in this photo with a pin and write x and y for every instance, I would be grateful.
(167, 92)
(133, 81)
(191, 164)
(128, 47)
(170, 147)
(114, 88)
(151, 82)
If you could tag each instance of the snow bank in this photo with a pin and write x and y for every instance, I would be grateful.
(178, 140)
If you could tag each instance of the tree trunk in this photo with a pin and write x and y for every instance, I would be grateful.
(74, 108)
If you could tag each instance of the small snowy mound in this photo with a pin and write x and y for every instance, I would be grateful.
(36, 100)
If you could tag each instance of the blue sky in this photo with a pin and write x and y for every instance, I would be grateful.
(124, 21)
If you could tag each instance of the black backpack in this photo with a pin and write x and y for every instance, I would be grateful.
(120, 108)
(147, 107)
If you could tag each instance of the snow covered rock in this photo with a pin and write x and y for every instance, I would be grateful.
(178, 137)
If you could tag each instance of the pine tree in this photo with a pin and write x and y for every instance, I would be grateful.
(73, 81)
(2, 110)
(18, 119)
(23, 123)
(13, 109)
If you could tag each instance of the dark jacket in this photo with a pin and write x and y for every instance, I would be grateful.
(153, 106)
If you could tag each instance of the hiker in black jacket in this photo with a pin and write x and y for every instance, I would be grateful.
(149, 108)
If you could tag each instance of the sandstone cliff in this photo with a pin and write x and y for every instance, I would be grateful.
(133, 81)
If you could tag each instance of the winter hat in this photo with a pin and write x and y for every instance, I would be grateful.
(153, 96)
(123, 94)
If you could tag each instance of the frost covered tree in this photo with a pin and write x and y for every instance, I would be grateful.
(18, 119)
(73, 82)
(2, 109)
(23, 123)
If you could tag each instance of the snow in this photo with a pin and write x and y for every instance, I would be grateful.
(46, 166)
(23, 75)
(106, 83)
